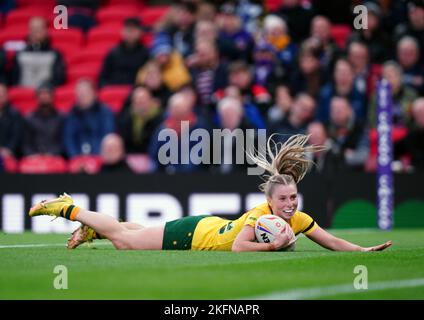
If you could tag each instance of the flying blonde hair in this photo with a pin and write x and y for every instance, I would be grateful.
(287, 163)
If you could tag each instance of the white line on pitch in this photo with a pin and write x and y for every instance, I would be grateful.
(12, 246)
(316, 292)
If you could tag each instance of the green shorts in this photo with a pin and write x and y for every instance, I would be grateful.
(178, 234)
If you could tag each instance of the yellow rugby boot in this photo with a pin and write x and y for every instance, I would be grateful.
(59, 207)
(81, 235)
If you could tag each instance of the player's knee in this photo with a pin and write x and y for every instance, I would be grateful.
(120, 241)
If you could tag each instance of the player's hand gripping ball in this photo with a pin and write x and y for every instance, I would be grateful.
(271, 228)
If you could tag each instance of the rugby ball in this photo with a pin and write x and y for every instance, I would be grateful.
(268, 226)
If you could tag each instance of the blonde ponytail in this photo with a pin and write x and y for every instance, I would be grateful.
(288, 163)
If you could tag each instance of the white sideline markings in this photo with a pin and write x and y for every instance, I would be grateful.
(316, 292)
(12, 246)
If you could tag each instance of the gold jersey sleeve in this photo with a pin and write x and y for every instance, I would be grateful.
(214, 233)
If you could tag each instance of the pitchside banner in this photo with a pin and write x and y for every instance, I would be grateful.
(385, 156)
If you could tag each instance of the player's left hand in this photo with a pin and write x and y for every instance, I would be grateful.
(378, 248)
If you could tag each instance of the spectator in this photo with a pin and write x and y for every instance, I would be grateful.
(349, 138)
(342, 86)
(298, 17)
(301, 113)
(415, 25)
(375, 37)
(166, 155)
(207, 71)
(150, 76)
(269, 71)
(88, 122)
(358, 56)
(180, 28)
(38, 62)
(280, 109)
(309, 76)
(122, 62)
(3, 65)
(174, 73)
(402, 97)
(413, 144)
(277, 34)
(113, 155)
(137, 124)
(240, 76)
(232, 155)
(408, 57)
(326, 162)
(81, 13)
(235, 43)
(10, 126)
(44, 128)
(322, 43)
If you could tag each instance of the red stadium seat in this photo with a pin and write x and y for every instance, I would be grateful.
(23, 99)
(90, 56)
(108, 35)
(398, 133)
(65, 37)
(85, 163)
(114, 96)
(87, 70)
(21, 17)
(43, 164)
(116, 13)
(140, 163)
(36, 3)
(151, 15)
(13, 38)
(10, 164)
(272, 5)
(340, 33)
(126, 2)
(64, 98)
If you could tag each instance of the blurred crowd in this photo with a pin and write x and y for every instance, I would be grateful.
(299, 67)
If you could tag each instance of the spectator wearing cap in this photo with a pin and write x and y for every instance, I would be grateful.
(180, 28)
(414, 27)
(174, 73)
(234, 42)
(375, 37)
(88, 122)
(408, 55)
(10, 126)
(124, 60)
(44, 127)
(38, 62)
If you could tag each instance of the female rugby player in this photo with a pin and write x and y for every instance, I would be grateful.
(287, 167)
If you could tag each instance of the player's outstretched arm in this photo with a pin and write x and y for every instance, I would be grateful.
(328, 241)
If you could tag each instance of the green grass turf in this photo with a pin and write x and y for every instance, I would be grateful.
(101, 272)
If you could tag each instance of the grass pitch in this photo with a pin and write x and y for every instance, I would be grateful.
(27, 263)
